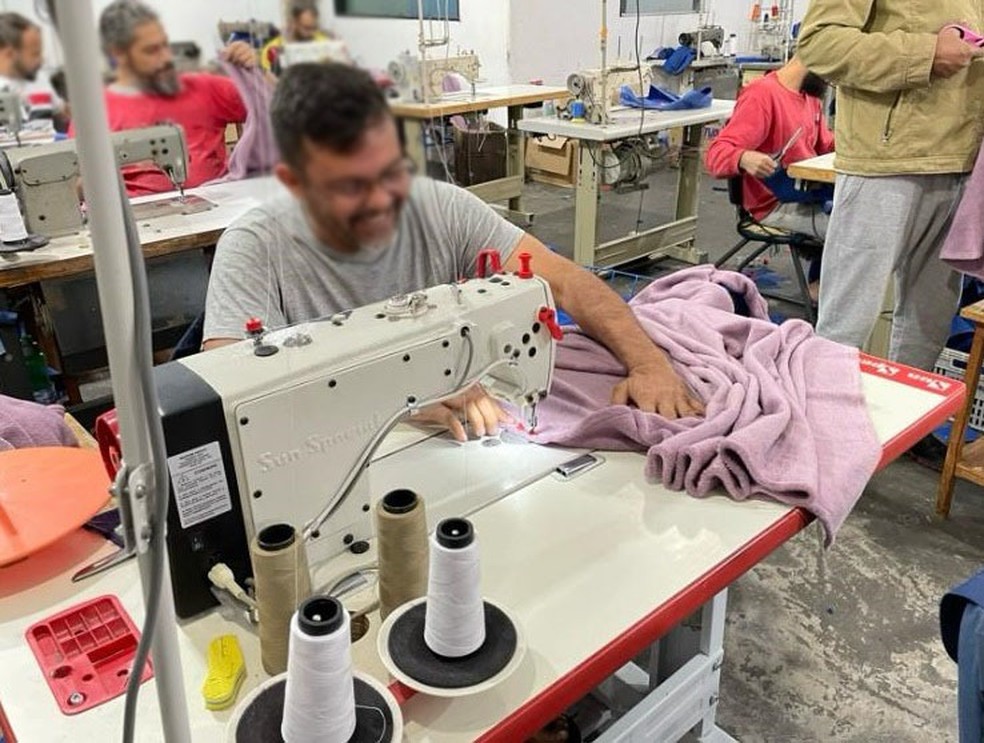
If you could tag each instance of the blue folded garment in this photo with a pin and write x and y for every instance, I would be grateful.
(679, 60)
(663, 100)
(784, 188)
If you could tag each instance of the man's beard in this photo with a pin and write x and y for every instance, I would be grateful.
(164, 82)
(813, 85)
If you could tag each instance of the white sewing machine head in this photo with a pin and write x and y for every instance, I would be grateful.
(279, 430)
(421, 81)
(45, 176)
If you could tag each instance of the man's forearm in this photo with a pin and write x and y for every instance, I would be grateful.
(604, 316)
(835, 44)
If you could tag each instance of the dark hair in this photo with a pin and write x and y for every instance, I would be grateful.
(328, 103)
(119, 21)
(297, 8)
(12, 28)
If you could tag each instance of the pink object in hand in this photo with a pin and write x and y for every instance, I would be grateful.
(968, 35)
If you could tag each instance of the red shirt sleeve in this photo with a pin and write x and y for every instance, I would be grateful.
(228, 105)
(747, 129)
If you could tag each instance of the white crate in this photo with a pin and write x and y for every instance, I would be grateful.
(953, 364)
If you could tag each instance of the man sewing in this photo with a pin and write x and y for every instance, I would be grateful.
(21, 58)
(358, 227)
(303, 24)
(778, 120)
(148, 90)
(909, 110)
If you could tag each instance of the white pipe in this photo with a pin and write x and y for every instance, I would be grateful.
(116, 301)
(604, 63)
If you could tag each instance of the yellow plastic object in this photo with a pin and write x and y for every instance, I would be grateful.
(226, 672)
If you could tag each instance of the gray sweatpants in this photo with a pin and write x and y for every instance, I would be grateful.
(881, 226)
(806, 218)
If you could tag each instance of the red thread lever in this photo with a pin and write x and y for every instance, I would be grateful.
(489, 258)
(548, 317)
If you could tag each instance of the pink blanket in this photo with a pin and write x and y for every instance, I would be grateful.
(26, 424)
(963, 249)
(785, 417)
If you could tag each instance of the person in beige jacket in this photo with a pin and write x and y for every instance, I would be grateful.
(910, 118)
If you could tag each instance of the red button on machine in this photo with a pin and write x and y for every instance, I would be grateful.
(525, 272)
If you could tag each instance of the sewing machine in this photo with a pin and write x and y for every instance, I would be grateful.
(296, 52)
(707, 41)
(278, 429)
(587, 85)
(422, 80)
(44, 177)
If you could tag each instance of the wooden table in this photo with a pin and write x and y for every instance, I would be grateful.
(965, 461)
(564, 557)
(24, 276)
(71, 255)
(412, 117)
(674, 239)
(819, 169)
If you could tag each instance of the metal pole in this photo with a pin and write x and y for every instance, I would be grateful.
(117, 301)
(604, 63)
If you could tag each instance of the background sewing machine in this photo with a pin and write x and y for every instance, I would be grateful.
(421, 80)
(711, 67)
(44, 177)
(280, 430)
(600, 94)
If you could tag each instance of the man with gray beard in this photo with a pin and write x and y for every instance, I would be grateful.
(148, 90)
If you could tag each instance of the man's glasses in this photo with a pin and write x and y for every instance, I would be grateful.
(392, 179)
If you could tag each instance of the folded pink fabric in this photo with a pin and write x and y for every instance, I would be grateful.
(785, 415)
(25, 424)
(963, 249)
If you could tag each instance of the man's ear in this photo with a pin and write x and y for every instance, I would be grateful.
(289, 177)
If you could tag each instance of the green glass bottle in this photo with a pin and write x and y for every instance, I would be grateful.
(37, 371)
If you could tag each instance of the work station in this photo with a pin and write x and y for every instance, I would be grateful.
(450, 370)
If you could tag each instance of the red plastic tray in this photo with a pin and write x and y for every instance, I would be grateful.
(85, 653)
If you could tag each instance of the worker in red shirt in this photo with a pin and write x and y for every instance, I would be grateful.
(779, 113)
(148, 91)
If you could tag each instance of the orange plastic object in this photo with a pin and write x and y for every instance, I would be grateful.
(45, 494)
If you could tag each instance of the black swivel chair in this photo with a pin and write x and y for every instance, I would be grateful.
(801, 246)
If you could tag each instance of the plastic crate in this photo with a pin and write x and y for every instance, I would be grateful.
(953, 364)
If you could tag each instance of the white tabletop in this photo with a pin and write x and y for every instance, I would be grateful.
(484, 97)
(625, 123)
(580, 564)
(231, 201)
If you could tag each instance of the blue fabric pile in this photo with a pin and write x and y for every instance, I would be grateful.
(663, 100)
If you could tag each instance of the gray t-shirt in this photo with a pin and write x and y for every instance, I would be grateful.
(268, 264)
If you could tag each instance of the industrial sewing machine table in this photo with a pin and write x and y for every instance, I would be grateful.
(595, 569)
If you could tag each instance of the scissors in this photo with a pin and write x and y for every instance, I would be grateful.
(789, 143)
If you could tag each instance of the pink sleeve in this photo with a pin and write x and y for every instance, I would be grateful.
(747, 129)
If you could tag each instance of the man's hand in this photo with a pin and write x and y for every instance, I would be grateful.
(757, 164)
(657, 389)
(482, 413)
(240, 54)
(953, 53)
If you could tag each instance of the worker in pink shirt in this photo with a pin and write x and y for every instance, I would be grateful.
(778, 120)
(148, 91)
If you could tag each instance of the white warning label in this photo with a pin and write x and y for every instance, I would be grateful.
(199, 481)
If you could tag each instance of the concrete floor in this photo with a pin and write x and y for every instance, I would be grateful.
(844, 647)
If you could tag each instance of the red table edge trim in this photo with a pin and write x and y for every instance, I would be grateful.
(5, 729)
(531, 716)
